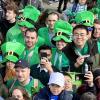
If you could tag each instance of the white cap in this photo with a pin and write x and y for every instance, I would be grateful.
(57, 78)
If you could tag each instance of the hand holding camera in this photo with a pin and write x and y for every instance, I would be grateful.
(89, 78)
(45, 62)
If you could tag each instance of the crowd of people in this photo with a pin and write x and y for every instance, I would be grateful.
(47, 54)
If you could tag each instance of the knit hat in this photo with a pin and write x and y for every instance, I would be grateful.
(96, 73)
(12, 51)
(63, 31)
(57, 78)
(29, 17)
(85, 17)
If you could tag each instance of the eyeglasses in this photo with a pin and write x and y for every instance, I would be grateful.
(79, 34)
(90, 28)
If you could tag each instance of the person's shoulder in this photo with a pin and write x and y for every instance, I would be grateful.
(43, 29)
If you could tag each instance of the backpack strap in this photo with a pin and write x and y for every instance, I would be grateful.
(36, 82)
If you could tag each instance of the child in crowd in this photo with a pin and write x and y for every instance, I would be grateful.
(55, 89)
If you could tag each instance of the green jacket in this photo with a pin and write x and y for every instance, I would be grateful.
(31, 56)
(32, 87)
(60, 65)
(15, 34)
(44, 33)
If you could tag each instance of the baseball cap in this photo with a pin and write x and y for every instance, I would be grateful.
(56, 78)
(22, 63)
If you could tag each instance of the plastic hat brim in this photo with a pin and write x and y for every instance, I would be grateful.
(88, 24)
(10, 58)
(63, 30)
(26, 24)
(58, 38)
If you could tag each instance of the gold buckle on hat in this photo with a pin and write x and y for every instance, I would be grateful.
(87, 21)
(10, 53)
(59, 33)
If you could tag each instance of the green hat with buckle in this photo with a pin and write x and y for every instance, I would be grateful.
(63, 31)
(12, 51)
(85, 17)
(29, 16)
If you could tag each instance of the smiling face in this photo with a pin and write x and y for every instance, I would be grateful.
(96, 30)
(30, 39)
(60, 44)
(80, 37)
(55, 89)
(22, 74)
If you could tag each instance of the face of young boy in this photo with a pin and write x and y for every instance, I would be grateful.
(55, 89)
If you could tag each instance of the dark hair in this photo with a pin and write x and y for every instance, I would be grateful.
(24, 92)
(67, 74)
(44, 47)
(80, 27)
(96, 21)
(31, 30)
(88, 96)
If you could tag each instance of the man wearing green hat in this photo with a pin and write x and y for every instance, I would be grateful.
(27, 20)
(79, 51)
(30, 53)
(48, 32)
(11, 54)
(85, 18)
(63, 33)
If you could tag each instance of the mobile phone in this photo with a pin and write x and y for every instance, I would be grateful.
(80, 77)
(43, 54)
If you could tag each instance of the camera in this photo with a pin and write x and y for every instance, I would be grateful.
(43, 54)
(80, 77)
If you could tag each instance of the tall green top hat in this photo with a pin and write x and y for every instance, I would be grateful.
(85, 17)
(29, 16)
(12, 51)
(63, 31)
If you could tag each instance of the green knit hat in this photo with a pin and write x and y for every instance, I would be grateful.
(85, 17)
(63, 31)
(12, 51)
(29, 16)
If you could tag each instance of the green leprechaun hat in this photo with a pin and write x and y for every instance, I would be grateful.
(85, 17)
(63, 31)
(29, 16)
(12, 51)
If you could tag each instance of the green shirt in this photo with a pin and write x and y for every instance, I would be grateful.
(31, 88)
(15, 34)
(31, 56)
(44, 33)
(59, 60)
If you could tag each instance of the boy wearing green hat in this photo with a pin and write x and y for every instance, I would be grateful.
(11, 54)
(63, 31)
(27, 20)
